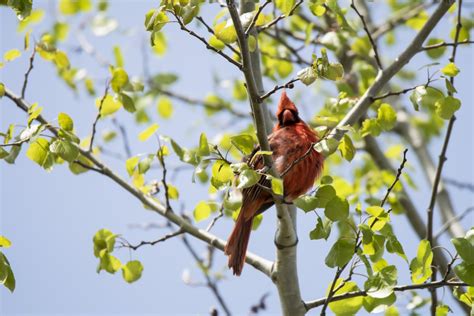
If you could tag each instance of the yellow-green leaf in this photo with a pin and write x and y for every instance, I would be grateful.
(132, 271)
(450, 70)
(201, 211)
(165, 107)
(110, 105)
(143, 136)
(11, 55)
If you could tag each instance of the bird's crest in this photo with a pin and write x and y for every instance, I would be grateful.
(285, 104)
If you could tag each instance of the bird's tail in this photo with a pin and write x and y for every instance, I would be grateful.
(237, 243)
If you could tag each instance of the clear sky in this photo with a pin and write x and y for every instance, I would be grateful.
(51, 217)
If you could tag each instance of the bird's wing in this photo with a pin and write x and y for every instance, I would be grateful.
(256, 199)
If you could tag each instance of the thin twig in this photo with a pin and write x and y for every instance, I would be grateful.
(331, 290)
(27, 73)
(203, 103)
(442, 160)
(367, 31)
(203, 40)
(255, 17)
(210, 283)
(126, 244)
(293, 51)
(444, 44)
(460, 185)
(161, 159)
(288, 85)
(397, 177)
(281, 17)
(456, 218)
(319, 302)
(210, 30)
(123, 133)
(94, 125)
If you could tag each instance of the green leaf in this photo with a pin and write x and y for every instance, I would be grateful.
(442, 310)
(109, 263)
(110, 105)
(340, 254)
(203, 149)
(378, 305)
(2, 90)
(465, 272)
(65, 122)
(337, 209)
(144, 164)
(118, 56)
(334, 71)
(244, 143)
(9, 280)
(325, 194)
(5, 242)
(202, 211)
(61, 60)
(322, 230)
(248, 178)
(226, 33)
(104, 239)
(347, 149)
(148, 132)
(386, 117)
(155, 21)
(464, 248)
(131, 164)
(39, 153)
(64, 149)
(307, 75)
(11, 55)
(450, 70)
(285, 6)
(221, 174)
(127, 102)
(371, 126)
(449, 86)
(446, 107)
(216, 43)
(70, 7)
(437, 52)
(165, 107)
(420, 266)
(132, 271)
(381, 284)
(317, 9)
(277, 185)
(119, 79)
(173, 192)
(307, 203)
(394, 246)
(348, 306)
(34, 111)
(22, 8)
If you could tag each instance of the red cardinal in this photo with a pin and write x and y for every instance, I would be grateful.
(291, 139)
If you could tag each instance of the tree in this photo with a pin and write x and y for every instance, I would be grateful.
(373, 107)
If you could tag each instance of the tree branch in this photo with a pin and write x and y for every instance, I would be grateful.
(316, 303)
(203, 40)
(384, 76)
(367, 31)
(284, 272)
(257, 262)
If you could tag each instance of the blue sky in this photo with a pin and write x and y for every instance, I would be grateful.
(51, 217)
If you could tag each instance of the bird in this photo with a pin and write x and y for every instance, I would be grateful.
(294, 158)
